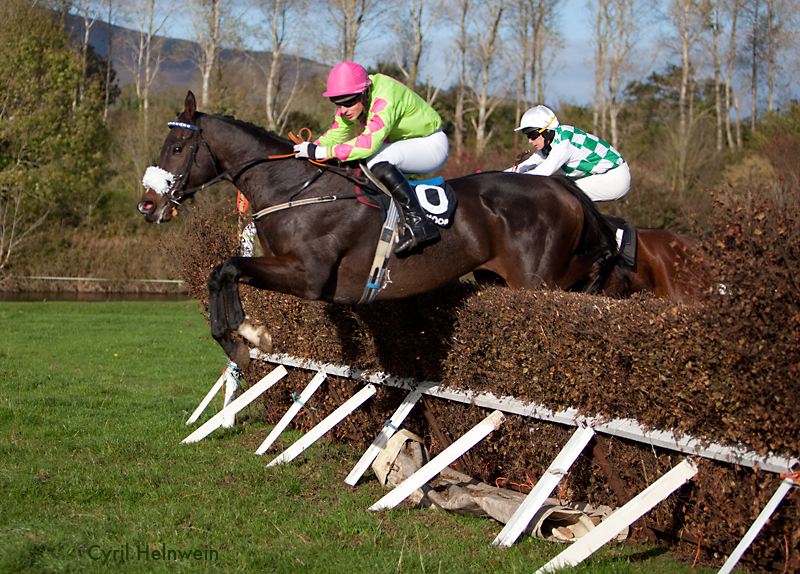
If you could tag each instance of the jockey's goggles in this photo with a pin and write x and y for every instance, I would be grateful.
(533, 133)
(346, 101)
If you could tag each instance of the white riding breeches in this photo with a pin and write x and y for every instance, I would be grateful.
(609, 186)
(416, 155)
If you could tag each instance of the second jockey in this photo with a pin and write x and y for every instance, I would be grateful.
(597, 168)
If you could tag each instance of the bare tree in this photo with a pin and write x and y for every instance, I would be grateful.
(545, 43)
(617, 27)
(109, 52)
(535, 42)
(691, 20)
(413, 22)
(602, 40)
(16, 223)
(731, 9)
(282, 18)
(151, 23)
(486, 92)
(752, 52)
(354, 20)
(716, 31)
(214, 27)
(89, 11)
(627, 18)
(780, 20)
(461, 45)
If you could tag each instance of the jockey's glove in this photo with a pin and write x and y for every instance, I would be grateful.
(309, 150)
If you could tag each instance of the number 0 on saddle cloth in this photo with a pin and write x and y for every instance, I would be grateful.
(435, 196)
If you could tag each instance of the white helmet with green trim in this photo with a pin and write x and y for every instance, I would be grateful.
(538, 118)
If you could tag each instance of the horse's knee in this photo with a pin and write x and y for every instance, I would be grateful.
(213, 281)
(222, 277)
(223, 294)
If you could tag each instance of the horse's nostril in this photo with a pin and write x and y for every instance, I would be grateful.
(146, 207)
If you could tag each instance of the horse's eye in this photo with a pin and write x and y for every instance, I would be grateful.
(177, 150)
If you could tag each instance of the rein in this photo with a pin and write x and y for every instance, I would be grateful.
(179, 193)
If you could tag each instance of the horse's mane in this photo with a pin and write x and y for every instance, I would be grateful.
(249, 127)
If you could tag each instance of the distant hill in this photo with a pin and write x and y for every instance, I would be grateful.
(178, 68)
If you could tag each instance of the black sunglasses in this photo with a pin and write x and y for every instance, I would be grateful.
(532, 133)
(346, 101)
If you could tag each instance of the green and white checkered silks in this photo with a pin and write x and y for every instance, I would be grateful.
(597, 156)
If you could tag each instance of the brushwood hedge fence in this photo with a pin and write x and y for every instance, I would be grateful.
(725, 369)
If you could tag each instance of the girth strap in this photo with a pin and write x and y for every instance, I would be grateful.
(382, 254)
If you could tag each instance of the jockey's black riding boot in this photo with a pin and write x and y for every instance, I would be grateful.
(418, 228)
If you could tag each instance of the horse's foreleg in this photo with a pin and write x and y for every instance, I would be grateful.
(227, 316)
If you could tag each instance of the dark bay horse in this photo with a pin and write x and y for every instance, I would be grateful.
(532, 234)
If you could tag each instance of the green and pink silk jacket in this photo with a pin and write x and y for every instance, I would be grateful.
(396, 113)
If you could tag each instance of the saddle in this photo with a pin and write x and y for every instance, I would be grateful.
(436, 198)
(626, 238)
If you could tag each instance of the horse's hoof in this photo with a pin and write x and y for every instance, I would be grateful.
(264, 340)
(257, 336)
(241, 357)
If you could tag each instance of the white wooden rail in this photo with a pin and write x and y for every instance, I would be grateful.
(587, 427)
(544, 487)
(330, 421)
(298, 404)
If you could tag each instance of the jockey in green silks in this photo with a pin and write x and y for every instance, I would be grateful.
(597, 168)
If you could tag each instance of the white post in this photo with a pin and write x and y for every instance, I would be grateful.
(446, 457)
(762, 519)
(330, 421)
(623, 517)
(544, 487)
(231, 385)
(249, 396)
(298, 404)
(389, 428)
(204, 403)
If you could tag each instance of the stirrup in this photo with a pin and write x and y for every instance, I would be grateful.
(413, 236)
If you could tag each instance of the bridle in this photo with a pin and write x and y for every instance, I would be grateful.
(178, 192)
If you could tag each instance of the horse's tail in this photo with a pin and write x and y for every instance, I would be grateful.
(597, 238)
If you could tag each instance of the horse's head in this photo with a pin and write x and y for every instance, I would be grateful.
(179, 168)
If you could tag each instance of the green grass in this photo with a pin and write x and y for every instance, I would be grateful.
(93, 403)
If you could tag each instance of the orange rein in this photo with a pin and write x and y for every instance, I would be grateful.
(298, 140)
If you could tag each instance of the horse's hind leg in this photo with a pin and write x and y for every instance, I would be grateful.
(227, 315)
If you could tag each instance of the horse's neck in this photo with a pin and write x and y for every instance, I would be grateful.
(238, 143)
(265, 183)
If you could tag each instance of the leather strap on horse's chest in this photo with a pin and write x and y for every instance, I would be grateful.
(297, 203)
(382, 254)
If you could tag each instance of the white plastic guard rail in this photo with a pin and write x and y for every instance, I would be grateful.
(623, 428)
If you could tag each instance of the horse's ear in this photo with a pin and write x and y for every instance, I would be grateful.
(190, 106)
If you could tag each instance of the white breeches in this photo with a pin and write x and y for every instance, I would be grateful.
(609, 186)
(416, 155)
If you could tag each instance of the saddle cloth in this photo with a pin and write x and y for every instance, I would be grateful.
(626, 238)
(436, 197)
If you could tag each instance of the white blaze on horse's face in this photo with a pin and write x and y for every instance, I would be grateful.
(159, 180)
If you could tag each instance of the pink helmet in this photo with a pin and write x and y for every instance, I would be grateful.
(345, 79)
